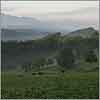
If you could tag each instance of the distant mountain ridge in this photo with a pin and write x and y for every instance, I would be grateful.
(86, 32)
(30, 34)
(21, 34)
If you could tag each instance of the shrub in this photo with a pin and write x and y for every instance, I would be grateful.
(91, 57)
(62, 71)
(33, 73)
(40, 73)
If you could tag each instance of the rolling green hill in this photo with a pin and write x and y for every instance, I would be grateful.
(16, 53)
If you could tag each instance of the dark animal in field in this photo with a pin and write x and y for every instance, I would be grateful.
(62, 71)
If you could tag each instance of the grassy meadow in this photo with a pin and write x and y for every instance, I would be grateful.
(67, 85)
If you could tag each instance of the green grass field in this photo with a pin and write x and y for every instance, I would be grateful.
(66, 85)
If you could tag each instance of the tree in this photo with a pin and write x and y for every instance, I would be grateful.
(91, 57)
(66, 58)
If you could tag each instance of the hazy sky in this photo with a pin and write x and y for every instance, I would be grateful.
(83, 13)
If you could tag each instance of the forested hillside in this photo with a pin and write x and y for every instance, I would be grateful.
(18, 53)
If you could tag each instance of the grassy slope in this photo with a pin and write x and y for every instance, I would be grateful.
(68, 85)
